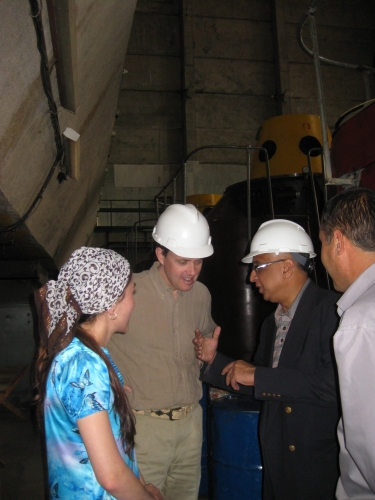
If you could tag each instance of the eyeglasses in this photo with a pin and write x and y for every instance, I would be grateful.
(258, 267)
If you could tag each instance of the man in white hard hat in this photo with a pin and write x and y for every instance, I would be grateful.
(293, 372)
(156, 357)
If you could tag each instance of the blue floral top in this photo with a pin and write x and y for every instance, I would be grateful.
(77, 386)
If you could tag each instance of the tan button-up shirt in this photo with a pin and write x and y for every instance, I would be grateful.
(156, 357)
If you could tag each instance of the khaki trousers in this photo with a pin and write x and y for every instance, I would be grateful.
(169, 453)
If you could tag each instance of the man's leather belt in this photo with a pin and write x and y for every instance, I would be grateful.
(167, 414)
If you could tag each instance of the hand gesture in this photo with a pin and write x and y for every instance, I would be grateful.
(239, 372)
(205, 347)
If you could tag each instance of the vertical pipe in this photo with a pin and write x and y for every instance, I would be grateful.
(136, 245)
(268, 174)
(366, 81)
(327, 160)
(313, 187)
(184, 184)
(316, 209)
(174, 190)
(248, 150)
(132, 243)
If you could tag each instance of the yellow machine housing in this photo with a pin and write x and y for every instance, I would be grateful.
(287, 139)
(203, 201)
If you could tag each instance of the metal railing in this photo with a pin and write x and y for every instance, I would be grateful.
(114, 208)
(133, 231)
(183, 171)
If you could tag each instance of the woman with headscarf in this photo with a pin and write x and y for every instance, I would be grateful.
(89, 426)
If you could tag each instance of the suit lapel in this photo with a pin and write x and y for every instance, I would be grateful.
(299, 327)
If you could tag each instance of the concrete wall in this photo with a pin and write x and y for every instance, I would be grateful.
(238, 64)
(210, 73)
(65, 217)
(197, 73)
(346, 33)
(229, 65)
(149, 123)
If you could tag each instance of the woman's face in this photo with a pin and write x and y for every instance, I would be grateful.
(124, 307)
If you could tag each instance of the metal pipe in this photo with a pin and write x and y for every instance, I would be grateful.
(182, 166)
(174, 189)
(268, 173)
(184, 183)
(325, 60)
(136, 245)
(312, 181)
(268, 177)
(327, 160)
(366, 81)
(316, 204)
(248, 164)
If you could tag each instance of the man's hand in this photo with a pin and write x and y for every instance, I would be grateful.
(205, 348)
(154, 491)
(239, 372)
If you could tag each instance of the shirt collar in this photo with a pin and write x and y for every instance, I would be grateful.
(160, 283)
(356, 289)
(292, 309)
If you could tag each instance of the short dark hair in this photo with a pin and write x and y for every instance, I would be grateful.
(164, 250)
(353, 213)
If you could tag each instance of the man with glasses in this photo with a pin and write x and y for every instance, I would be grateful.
(293, 372)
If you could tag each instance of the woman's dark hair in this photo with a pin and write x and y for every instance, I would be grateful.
(121, 403)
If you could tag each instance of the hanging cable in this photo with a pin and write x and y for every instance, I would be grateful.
(36, 15)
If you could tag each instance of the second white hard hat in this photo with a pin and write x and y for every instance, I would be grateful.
(279, 236)
(185, 231)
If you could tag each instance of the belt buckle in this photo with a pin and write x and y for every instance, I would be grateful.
(170, 413)
(182, 410)
(161, 413)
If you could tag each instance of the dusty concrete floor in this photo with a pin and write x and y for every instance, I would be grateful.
(23, 475)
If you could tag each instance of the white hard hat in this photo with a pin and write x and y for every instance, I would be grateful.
(279, 236)
(185, 231)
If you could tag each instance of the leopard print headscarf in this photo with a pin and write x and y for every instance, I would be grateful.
(90, 282)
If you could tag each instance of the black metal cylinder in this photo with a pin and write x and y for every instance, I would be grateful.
(236, 304)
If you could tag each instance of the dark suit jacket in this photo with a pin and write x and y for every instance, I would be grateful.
(300, 410)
